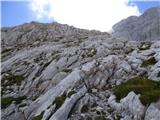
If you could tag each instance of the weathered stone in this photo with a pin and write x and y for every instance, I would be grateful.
(152, 113)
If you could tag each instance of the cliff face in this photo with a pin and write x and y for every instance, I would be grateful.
(58, 72)
(143, 28)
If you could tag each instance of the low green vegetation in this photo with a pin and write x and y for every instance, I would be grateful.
(39, 117)
(100, 118)
(152, 54)
(71, 93)
(19, 99)
(59, 101)
(129, 50)
(5, 51)
(5, 89)
(84, 109)
(150, 61)
(90, 52)
(88, 118)
(67, 70)
(11, 79)
(8, 80)
(149, 90)
(5, 102)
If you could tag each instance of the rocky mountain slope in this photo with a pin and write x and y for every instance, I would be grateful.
(58, 72)
(143, 28)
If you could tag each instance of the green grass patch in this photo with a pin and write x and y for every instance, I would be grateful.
(149, 90)
(19, 99)
(59, 100)
(39, 117)
(100, 118)
(5, 102)
(67, 70)
(88, 118)
(12, 79)
(84, 109)
(8, 80)
(150, 61)
(90, 52)
(71, 93)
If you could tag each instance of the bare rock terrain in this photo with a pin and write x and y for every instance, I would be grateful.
(59, 72)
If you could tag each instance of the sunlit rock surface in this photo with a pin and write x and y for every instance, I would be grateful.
(143, 28)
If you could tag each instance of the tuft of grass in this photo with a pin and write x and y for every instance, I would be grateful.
(19, 99)
(100, 118)
(8, 80)
(88, 118)
(39, 117)
(5, 102)
(90, 52)
(5, 88)
(67, 70)
(12, 79)
(150, 61)
(59, 101)
(152, 54)
(71, 93)
(149, 90)
(6, 50)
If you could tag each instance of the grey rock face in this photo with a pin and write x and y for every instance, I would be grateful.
(64, 111)
(152, 113)
(143, 28)
(130, 107)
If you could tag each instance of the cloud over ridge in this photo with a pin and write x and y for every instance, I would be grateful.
(87, 14)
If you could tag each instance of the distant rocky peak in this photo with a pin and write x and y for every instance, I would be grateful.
(143, 28)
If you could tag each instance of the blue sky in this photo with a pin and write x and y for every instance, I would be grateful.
(18, 12)
(144, 5)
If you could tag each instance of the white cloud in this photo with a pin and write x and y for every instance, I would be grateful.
(87, 14)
